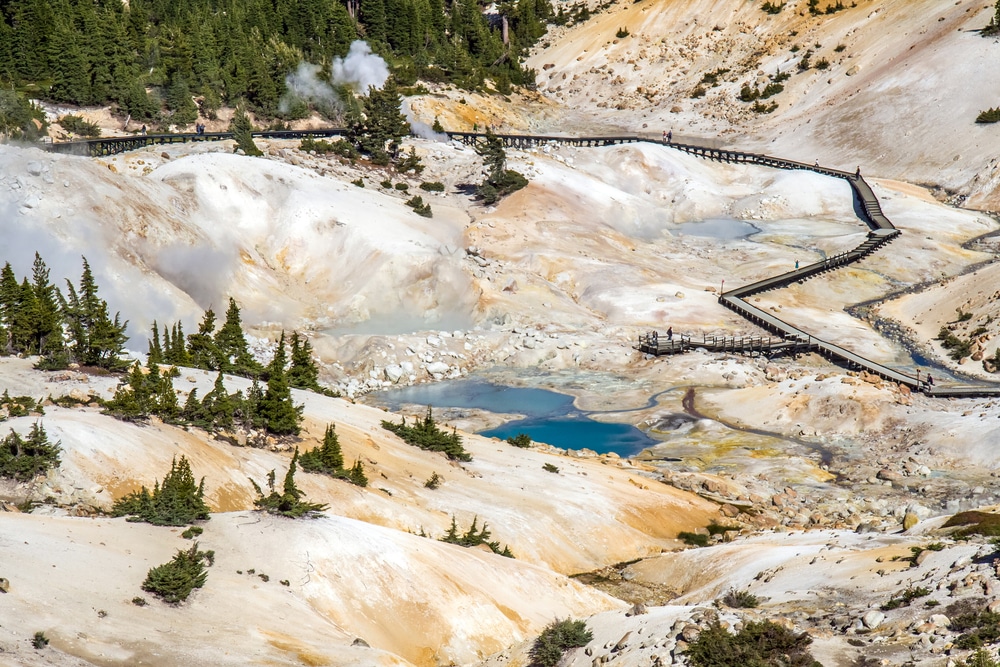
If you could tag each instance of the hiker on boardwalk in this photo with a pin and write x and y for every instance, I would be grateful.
(930, 380)
(670, 136)
(857, 174)
(670, 333)
(143, 130)
(796, 264)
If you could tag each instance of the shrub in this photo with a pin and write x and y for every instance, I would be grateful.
(548, 467)
(760, 643)
(763, 108)
(804, 63)
(192, 532)
(693, 539)
(748, 94)
(402, 187)
(174, 581)
(432, 186)
(622, 33)
(905, 598)
(989, 116)
(840, 48)
(975, 522)
(178, 501)
(957, 348)
(981, 658)
(522, 440)
(771, 90)
(434, 481)
(80, 125)
(139, 601)
(358, 182)
(822, 64)
(426, 434)
(473, 537)
(740, 599)
(558, 637)
(387, 184)
(39, 641)
(771, 8)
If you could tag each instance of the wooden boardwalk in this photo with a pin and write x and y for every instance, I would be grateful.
(788, 337)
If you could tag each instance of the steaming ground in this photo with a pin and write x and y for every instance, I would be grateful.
(818, 467)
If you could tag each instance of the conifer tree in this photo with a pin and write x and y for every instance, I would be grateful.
(201, 346)
(219, 406)
(47, 319)
(231, 345)
(279, 414)
(10, 296)
(289, 502)
(178, 351)
(178, 501)
(326, 458)
(303, 373)
(95, 339)
(24, 458)
(155, 354)
(357, 474)
(383, 126)
(499, 181)
(242, 131)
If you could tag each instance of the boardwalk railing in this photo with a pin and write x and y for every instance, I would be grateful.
(115, 145)
(882, 231)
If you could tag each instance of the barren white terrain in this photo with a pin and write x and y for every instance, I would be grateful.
(815, 470)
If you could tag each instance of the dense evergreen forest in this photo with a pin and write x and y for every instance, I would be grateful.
(163, 59)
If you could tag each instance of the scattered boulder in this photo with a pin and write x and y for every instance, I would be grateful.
(4, 585)
(910, 520)
(873, 619)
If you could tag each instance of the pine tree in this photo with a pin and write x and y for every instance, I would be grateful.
(218, 406)
(47, 323)
(10, 295)
(280, 415)
(357, 474)
(233, 352)
(242, 131)
(23, 459)
(201, 348)
(499, 181)
(178, 501)
(383, 126)
(327, 458)
(303, 373)
(155, 353)
(289, 502)
(178, 351)
(95, 339)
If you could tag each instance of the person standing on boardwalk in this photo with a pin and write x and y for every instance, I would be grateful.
(670, 333)
(670, 136)
(930, 380)
(796, 264)
(857, 174)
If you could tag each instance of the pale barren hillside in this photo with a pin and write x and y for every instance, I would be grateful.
(900, 99)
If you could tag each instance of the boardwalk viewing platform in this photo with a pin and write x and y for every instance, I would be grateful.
(787, 337)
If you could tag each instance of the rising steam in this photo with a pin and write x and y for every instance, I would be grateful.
(359, 71)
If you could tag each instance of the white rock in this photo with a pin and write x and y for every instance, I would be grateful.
(437, 368)
(434, 341)
(873, 619)
(393, 373)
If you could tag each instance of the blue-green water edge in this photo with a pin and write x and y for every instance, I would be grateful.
(549, 416)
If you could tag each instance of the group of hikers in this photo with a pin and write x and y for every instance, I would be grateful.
(199, 129)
